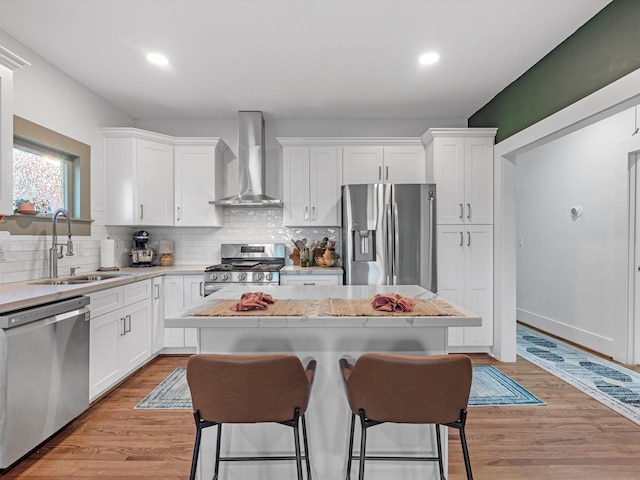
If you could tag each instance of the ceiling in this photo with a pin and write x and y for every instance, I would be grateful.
(295, 59)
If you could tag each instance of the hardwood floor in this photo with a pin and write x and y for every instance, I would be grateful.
(572, 437)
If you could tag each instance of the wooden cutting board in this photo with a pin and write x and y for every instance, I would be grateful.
(361, 308)
(280, 308)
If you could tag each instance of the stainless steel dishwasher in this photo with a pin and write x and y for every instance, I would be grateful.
(44, 373)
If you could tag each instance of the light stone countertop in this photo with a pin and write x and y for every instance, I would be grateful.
(14, 296)
(186, 318)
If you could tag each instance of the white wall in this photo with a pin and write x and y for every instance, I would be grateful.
(45, 95)
(565, 266)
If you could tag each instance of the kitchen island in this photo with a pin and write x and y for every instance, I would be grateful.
(319, 334)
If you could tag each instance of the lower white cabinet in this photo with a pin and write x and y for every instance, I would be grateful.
(310, 280)
(465, 277)
(180, 291)
(157, 314)
(120, 338)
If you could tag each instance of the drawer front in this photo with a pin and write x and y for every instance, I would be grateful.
(311, 280)
(136, 292)
(106, 301)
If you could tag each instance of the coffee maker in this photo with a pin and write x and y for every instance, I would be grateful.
(141, 254)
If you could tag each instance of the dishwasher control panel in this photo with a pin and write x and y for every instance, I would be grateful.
(43, 310)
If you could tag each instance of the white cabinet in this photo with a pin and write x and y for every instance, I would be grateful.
(363, 164)
(180, 291)
(465, 277)
(157, 314)
(138, 177)
(462, 165)
(311, 185)
(315, 279)
(8, 63)
(120, 338)
(196, 182)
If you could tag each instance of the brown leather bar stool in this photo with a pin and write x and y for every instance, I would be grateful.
(250, 389)
(383, 388)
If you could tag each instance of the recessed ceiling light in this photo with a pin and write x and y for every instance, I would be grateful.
(157, 59)
(429, 58)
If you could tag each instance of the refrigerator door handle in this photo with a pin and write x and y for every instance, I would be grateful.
(390, 250)
(396, 242)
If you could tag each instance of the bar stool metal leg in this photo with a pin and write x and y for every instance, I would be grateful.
(363, 442)
(350, 451)
(439, 444)
(306, 447)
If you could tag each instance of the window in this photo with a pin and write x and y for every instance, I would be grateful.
(42, 176)
(52, 171)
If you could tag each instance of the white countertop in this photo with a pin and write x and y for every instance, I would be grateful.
(186, 317)
(14, 296)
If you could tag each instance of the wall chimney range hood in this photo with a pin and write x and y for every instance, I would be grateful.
(251, 160)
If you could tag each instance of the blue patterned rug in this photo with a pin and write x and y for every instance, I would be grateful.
(490, 388)
(609, 383)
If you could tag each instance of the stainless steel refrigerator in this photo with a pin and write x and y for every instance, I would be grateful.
(388, 234)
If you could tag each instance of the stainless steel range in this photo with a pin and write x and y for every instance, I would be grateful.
(245, 264)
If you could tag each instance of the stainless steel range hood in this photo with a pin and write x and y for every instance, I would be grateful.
(251, 159)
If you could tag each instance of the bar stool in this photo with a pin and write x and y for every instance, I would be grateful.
(250, 389)
(390, 388)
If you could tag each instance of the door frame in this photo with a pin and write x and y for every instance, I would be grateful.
(613, 98)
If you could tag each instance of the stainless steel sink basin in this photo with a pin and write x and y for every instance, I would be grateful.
(62, 281)
(100, 276)
(80, 279)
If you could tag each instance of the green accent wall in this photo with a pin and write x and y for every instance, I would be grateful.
(600, 52)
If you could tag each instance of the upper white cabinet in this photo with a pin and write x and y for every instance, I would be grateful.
(311, 184)
(154, 179)
(196, 182)
(8, 63)
(461, 162)
(138, 177)
(369, 161)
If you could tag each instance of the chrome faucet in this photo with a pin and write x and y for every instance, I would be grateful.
(54, 253)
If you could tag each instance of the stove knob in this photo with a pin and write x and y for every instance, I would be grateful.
(259, 276)
(269, 277)
(213, 276)
(224, 277)
(242, 276)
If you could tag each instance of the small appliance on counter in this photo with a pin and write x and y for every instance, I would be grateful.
(165, 249)
(141, 254)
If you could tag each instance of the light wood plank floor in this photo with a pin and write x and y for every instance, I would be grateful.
(572, 437)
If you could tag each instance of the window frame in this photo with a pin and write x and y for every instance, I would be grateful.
(80, 198)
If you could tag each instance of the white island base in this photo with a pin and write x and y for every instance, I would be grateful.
(325, 339)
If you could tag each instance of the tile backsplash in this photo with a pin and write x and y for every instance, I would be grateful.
(26, 257)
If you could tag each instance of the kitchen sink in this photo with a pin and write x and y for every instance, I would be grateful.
(80, 279)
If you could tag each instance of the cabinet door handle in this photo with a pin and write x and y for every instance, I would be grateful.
(306, 213)
(157, 295)
(468, 239)
(308, 283)
(124, 327)
(469, 211)
(313, 213)
(202, 289)
(386, 172)
(141, 211)
(461, 211)
(379, 173)
(178, 214)
(461, 239)
(128, 329)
